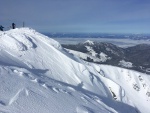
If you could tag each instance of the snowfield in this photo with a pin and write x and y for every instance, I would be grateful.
(92, 55)
(38, 76)
(123, 63)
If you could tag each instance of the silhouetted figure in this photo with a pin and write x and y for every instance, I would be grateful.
(1, 27)
(13, 25)
(23, 24)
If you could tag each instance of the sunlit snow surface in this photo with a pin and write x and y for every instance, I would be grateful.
(38, 76)
(125, 64)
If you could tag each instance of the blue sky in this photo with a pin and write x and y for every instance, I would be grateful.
(100, 16)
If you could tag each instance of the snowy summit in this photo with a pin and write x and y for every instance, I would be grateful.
(89, 42)
(38, 76)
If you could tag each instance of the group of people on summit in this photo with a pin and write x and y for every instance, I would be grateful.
(13, 26)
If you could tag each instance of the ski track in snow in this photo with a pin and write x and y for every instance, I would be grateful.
(15, 97)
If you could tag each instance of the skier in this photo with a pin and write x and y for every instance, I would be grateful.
(13, 25)
(1, 28)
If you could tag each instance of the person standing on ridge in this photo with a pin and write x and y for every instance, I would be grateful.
(1, 28)
(13, 25)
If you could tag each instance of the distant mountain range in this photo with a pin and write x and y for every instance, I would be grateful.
(136, 57)
(100, 35)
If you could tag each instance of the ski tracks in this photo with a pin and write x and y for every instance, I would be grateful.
(13, 99)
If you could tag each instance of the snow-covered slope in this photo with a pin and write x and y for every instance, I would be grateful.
(106, 53)
(92, 56)
(38, 76)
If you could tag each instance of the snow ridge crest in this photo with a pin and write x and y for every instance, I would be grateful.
(23, 39)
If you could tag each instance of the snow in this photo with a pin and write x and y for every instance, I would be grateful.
(38, 76)
(92, 55)
(123, 63)
(89, 42)
(104, 57)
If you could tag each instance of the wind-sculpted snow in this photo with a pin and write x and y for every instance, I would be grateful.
(23, 39)
(38, 76)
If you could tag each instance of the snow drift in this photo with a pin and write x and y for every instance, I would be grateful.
(38, 76)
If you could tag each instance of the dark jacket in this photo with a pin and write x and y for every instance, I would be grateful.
(13, 25)
(1, 28)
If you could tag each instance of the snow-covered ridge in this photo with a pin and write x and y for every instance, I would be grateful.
(37, 75)
(89, 42)
(92, 56)
(23, 39)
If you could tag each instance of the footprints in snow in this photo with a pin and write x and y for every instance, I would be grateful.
(58, 90)
(148, 92)
(22, 74)
(142, 81)
(136, 86)
(42, 83)
(56, 87)
(52, 88)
